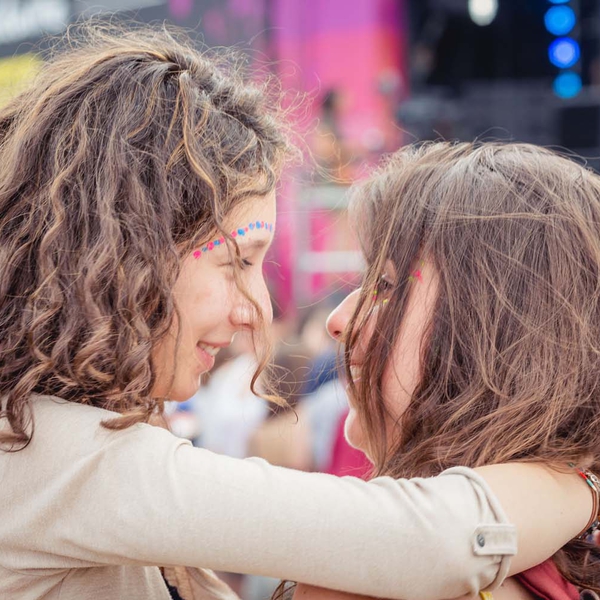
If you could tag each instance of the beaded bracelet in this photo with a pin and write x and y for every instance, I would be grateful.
(593, 524)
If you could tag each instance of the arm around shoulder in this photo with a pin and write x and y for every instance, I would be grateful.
(153, 499)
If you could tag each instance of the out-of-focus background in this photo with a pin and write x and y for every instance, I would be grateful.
(372, 75)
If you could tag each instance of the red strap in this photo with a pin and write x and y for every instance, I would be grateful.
(546, 582)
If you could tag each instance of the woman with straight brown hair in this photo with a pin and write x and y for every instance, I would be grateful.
(137, 204)
(475, 337)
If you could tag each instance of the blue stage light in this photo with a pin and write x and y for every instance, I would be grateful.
(567, 85)
(560, 20)
(559, 1)
(564, 52)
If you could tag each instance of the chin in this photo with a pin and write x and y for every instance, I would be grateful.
(353, 432)
(181, 392)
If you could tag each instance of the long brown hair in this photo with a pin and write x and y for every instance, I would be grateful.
(129, 148)
(511, 359)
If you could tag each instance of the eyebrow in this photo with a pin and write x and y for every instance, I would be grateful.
(253, 244)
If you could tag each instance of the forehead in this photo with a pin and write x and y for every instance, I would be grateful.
(259, 208)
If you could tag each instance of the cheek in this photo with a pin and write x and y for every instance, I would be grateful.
(203, 299)
(401, 377)
(398, 386)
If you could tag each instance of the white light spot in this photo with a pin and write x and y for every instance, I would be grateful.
(483, 12)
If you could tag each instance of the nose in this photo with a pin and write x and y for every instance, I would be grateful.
(338, 320)
(244, 314)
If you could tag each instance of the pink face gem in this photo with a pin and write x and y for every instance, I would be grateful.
(416, 276)
(197, 254)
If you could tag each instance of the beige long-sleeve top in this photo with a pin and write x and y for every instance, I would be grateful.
(89, 513)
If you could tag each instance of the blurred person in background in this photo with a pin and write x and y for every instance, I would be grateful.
(331, 151)
(137, 204)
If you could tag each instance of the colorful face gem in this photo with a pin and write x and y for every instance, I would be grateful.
(240, 231)
(416, 276)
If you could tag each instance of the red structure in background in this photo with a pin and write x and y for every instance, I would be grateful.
(358, 50)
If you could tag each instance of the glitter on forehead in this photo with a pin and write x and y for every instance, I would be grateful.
(241, 231)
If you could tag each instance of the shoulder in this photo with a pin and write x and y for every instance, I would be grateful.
(67, 431)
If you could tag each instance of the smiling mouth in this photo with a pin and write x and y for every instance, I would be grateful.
(212, 350)
(206, 354)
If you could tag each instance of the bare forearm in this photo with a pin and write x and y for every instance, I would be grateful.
(533, 496)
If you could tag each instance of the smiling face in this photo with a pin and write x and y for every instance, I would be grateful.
(403, 370)
(212, 309)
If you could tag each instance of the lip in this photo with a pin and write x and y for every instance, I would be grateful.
(215, 344)
(207, 360)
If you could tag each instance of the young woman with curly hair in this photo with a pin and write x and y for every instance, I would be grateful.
(137, 203)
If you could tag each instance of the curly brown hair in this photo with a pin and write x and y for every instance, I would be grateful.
(129, 148)
(511, 359)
